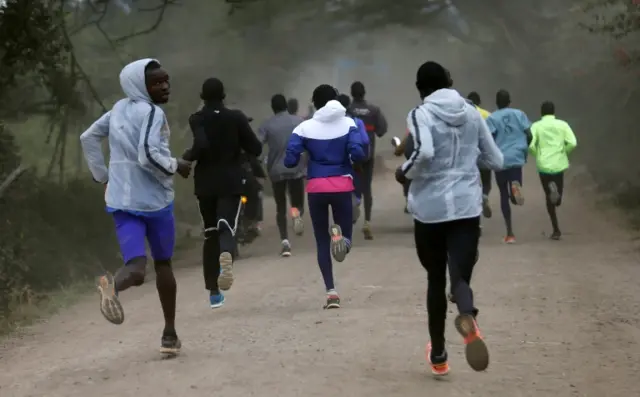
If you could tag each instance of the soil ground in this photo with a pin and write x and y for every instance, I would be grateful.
(561, 319)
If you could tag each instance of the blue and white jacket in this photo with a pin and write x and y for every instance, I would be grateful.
(332, 140)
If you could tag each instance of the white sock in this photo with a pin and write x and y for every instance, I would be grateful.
(285, 242)
(332, 292)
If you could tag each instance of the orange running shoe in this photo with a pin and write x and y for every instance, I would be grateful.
(298, 224)
(439, 364)
(516, 193)
(475, 349)
(510, 239)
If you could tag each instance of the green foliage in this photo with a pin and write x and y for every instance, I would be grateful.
(33, 41)
(618, 18)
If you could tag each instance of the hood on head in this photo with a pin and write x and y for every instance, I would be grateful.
(448, 105)
(132, 80)
(332, 111)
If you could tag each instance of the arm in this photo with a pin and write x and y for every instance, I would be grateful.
(295, 147)
(381, 123)
(533, 145)
(526, 126)
(570, 141)
(355, 145)
(249, 142)
(423, 140)
(200, 140)
(150, 154)
(409, 146)
(263, 133)
(91, 141)
(490, 154)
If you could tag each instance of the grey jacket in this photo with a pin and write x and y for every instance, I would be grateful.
(275, 133)
(449, 136)
(141, 167)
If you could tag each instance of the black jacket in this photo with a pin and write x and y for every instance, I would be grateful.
(222, 140)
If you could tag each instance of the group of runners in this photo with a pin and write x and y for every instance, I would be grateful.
(333, 149)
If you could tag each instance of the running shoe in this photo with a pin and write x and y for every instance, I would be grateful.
(475, 350)
(339, 246)
(366, 230)
(439, 364)
(516, 193)
(298, 224)
(333, 300)
(554, 194)
(225, 279)
(110, 306)
(170, 344)
(486, 207)
(556, 235)
(509, 239)
(286, 249)
(216, 300)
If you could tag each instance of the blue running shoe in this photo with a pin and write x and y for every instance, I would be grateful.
(216, 300)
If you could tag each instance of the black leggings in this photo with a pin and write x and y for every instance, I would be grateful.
(295, 188)
(485, 178)
(546, 180)
(456, 241)
(220, 218)
(366, 180)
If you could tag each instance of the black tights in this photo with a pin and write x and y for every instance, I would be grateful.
(451, 245)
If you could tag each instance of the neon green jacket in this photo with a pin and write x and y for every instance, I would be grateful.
(552, 142)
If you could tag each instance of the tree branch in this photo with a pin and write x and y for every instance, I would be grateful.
(162, 8)
(13, 176)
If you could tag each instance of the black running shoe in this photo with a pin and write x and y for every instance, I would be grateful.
(170, 344)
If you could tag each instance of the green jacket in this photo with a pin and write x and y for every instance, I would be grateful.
(552, 141)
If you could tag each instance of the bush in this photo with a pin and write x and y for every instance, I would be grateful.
(51, 234)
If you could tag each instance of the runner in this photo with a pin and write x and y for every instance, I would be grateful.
(445, 201)
(552, 141)
(220, 137)
(332, 142)
(376, 125)
(293, 106)
(485, 173)
(139, 189)
(357, 167)
(405, 148)
(510, 129)
(276, 132)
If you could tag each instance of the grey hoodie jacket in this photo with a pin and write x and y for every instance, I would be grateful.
(275, 133)
(449, 136)
(141, 168)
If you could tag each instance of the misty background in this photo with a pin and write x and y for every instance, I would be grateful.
(61, 60)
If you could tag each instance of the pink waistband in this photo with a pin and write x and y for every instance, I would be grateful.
(332, 184)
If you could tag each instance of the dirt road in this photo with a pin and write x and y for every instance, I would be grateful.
(561, 319)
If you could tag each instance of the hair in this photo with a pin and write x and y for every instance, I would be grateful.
(357, 90)
(278, 103)
(323, 94)
(152, 65)
(547, 108)
(503, 99)
(431, 76)
(212, 90)
(474, 97)
(344, 100)
(449, 79)
(292, 106)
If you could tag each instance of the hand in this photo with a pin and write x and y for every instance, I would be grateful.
(184, 168)
(400, 177)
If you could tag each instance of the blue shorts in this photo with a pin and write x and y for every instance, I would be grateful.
(132, 231)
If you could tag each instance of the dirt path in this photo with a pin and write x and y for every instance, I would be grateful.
(561, 319)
